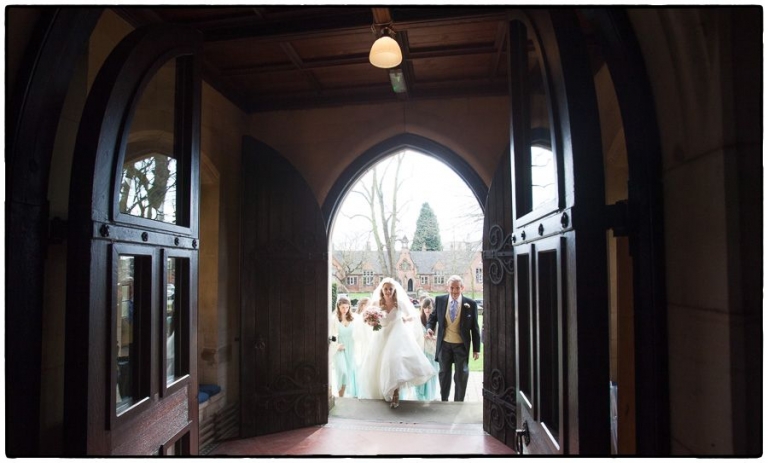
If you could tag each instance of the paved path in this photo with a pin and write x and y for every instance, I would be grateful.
(474, 387)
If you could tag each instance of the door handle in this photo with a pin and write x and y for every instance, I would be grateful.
(522, 436)
(260, 343)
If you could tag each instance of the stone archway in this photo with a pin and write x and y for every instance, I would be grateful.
(406, 140)
(332, 207)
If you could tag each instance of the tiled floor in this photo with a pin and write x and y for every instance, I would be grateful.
(360, 438)
(415, 428)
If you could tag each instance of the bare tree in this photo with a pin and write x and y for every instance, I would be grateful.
(383, 209)
(460, 257)
(469, 211)
(146, 187)
(349, 256)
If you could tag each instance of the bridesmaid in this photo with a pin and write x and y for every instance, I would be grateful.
(428, 390)
(343, 328)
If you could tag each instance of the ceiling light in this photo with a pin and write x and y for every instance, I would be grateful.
(385, 52)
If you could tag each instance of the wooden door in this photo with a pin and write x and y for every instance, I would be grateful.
(284, 297)
(499, 360)
(131, 322)
(559, 240)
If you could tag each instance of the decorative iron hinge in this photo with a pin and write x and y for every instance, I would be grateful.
(502, 401)
(501, 256)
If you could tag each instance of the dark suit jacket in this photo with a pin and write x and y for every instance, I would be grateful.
(468, 326)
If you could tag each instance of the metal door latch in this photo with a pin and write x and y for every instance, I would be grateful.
(522, 436)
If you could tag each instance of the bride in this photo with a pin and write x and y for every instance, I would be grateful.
(394, 359)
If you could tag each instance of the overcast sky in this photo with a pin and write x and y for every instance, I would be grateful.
(425, 179)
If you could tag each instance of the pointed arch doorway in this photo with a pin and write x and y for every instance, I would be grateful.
(421, 413)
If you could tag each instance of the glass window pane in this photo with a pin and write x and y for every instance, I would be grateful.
(525, 323)
(148, 186)
(127, 352)
(543, 186)
(535, 161)
(173, 322)
(543, 166)
(549, 343)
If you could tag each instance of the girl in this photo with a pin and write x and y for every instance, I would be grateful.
(428, 390)
(343, 328)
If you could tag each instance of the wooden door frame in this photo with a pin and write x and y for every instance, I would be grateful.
(635, 97)
(34, 107)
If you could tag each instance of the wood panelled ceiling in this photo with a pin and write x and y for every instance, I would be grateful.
(266, 58)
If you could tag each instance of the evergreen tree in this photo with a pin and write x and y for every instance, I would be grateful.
(427, 234)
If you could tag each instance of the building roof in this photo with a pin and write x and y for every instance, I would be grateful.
(424, 261)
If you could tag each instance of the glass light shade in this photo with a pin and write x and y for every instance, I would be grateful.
(385, 53)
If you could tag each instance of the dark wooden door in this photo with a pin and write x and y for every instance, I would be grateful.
(559, 240)
(284, 297)
(131, 321)
(499, 360)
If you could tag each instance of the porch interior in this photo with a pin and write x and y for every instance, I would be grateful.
(360, 427)
(414, 428)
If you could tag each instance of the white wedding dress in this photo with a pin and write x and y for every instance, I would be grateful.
(394, 360)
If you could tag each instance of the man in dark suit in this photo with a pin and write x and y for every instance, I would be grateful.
(456, 319)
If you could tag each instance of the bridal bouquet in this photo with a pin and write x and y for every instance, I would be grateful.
(373, 316)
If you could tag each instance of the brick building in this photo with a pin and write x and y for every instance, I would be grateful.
(361, 271)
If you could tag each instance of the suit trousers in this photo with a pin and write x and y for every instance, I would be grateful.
(453, 354)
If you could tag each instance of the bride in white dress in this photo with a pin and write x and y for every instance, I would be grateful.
(395, 360)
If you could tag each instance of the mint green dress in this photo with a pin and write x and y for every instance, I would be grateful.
(428, 391)
(344, 361)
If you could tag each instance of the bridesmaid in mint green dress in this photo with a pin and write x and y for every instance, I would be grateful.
(344, 328)
(428, 391)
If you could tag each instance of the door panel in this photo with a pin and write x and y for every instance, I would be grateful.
(284, 297)
(559, 239)
(118, 399)
(499, 375)
(541, 344)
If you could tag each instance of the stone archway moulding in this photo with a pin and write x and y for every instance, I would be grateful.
(407, 140)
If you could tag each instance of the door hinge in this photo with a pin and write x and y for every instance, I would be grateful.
(617, 218)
